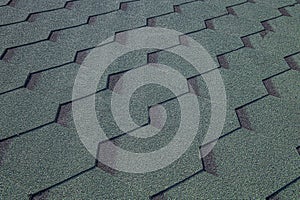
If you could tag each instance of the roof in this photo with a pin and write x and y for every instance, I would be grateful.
(255, 47)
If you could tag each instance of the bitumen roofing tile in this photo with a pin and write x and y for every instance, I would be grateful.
(12, 76)
(278, 24)
(22, 110)
(11, 15)
(148, 9)
(249, 61)
(256, 11)
(277, 4)
(101, 186)
(233, 25)
(255, 47)
(35, 162)
(276, 44)
(293, 10)
(216, 43)
(6, 185)
(36, 6)
(286, 85)
(201, 10)
(245, 158)
(179, 22)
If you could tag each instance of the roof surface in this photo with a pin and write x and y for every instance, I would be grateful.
(256, 46)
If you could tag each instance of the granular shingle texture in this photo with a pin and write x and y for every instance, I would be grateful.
(256, 47)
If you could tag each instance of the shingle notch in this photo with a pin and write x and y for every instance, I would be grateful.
(246, 41)
(284, 12)
(183, 40)
(32, 17)
(32, 80)
(92, 20)
(231, 11)
(69, 5)
(177, 9)
(40, 195)
(151, 22)
(263, 33)
(298, 150)
(193, 86)
(208, 160)
(121, 37)
(12, 3)
(159, 196)
(54, 36)
(123, 6)
(273, 197)
(114, 82)
(8, 54)
(80, 56)
(267, 26)
(4, 146)
(270, 87)
(223, 61)
(106, 155)
(209, 24)
(243, 118)
(64, 114)
(292, 63)
(152, 57)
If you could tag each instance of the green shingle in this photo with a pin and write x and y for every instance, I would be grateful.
(255, 64)
(201, 11)
(179, 22)
(256, 11)
(11, 76)
(23, 110)
(275, 44)
(294, 10)
(236, 25)
(276, 120)
(34, 6)
(146, 9)
(216, 43)
(42, 55)
(287, 85)
(276, 4)
(96, 184)
(9, 189)
(242, 158)
(45, 157)
(11, 15)
(279, 25)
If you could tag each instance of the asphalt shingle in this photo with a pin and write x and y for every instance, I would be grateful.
(255, 46)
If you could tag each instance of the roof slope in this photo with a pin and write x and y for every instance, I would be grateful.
(256, 46)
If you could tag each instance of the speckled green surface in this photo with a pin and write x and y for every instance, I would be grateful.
(256, 47)
(10, 15)
(242, 159)
(39, 159)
